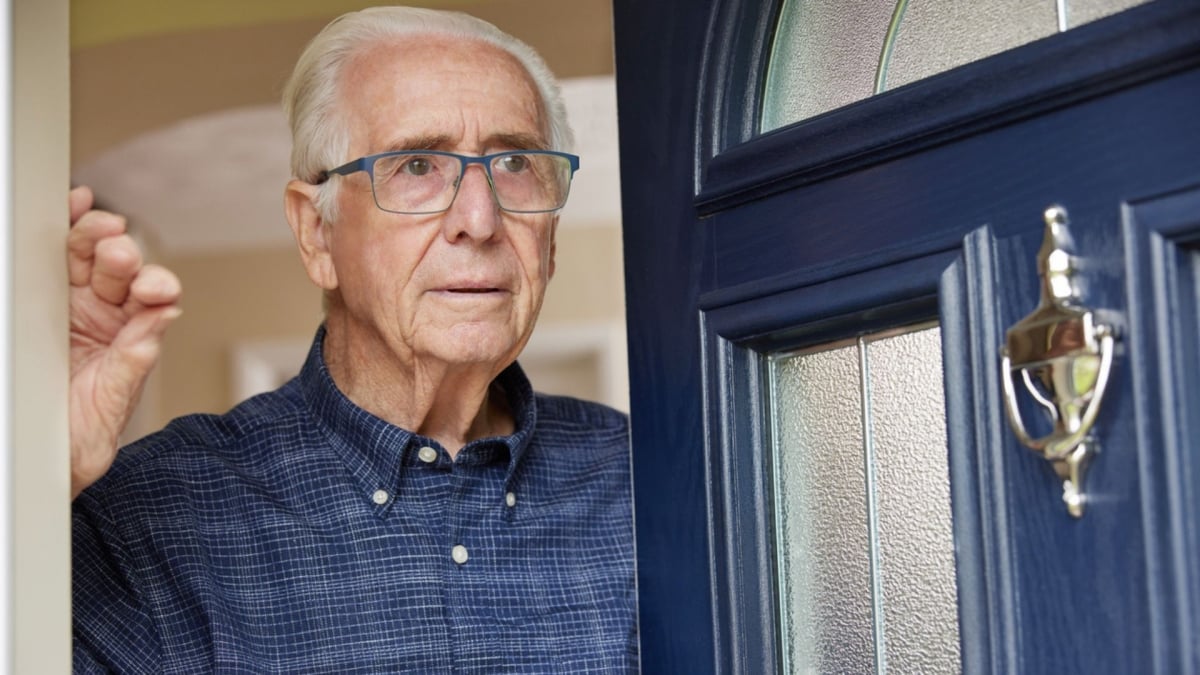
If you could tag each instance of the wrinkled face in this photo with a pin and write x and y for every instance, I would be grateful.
(460, 287)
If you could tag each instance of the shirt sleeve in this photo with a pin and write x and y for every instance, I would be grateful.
(113, 630)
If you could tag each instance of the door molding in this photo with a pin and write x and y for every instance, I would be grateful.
(971, 332)
(1162, 238)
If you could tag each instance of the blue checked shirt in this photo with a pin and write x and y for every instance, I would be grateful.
(300, 534)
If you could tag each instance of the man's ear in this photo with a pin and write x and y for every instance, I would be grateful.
(311, 233)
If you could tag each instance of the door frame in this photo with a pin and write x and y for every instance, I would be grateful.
(35, 586)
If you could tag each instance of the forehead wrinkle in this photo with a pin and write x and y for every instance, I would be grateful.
(363, 67)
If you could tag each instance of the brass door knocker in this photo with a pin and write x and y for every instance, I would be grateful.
(1063, 358)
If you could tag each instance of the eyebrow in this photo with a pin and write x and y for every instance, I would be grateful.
(518, 142)
(418, 143)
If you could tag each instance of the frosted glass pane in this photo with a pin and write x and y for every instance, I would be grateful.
(864, 543)
(821, 513)
(1080, 12)
(937, 36)
(907, 432)
(824, 57)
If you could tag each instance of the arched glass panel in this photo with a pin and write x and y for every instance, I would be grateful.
(829, 53)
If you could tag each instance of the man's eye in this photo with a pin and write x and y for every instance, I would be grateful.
(417, 166)
(514, 163)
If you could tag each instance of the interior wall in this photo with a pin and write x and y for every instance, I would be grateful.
(228, 298)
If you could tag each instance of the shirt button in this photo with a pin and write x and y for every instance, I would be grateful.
(427, 454)
(459, 553)
(380, 497)
(510, 499)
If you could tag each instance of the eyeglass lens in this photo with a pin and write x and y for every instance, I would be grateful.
(427, 183)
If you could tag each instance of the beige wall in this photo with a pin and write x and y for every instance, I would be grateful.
(228, 298)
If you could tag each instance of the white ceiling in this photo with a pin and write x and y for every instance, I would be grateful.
(214, 183)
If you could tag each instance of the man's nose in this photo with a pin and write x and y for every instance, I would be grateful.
(475, 212)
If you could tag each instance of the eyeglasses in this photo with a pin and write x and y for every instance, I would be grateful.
(426, 181)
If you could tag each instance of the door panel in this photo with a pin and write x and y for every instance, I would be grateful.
(919, 204)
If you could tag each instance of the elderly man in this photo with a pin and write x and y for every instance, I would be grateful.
(407, 503)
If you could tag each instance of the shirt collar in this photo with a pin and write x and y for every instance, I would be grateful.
(376, 452)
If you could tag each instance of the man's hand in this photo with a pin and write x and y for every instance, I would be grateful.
(120, 310)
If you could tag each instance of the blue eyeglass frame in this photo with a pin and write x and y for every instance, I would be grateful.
(367, 164)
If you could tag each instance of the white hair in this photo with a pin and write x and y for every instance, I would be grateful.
(321, 139)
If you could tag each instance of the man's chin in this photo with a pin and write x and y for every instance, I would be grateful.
(475, 345)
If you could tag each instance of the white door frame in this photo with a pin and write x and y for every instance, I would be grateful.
(35, 588)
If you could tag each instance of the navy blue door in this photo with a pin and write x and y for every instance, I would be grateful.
(922, 204)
